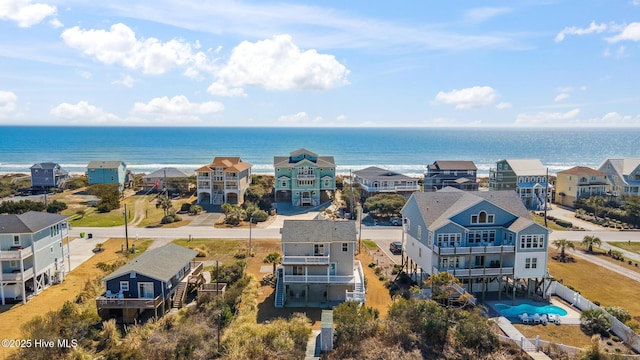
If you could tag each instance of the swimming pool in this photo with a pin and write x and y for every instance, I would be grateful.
(508, 310)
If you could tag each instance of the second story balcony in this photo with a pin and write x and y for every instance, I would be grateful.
(16, 275)
(305, 260)
(390, 187)
(490, 248)
(15, 253)
(111, 302)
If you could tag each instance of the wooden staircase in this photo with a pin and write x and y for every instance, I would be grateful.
(181, 293)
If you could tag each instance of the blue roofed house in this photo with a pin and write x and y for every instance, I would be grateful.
(32, 254)
(304, 178)
(486, 239)
(47, 175)
(107, 172)
(157, 280)
(623, 174)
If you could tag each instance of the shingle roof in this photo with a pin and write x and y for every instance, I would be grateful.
(284, 161)
(582, 170)
(229, 163)
(161, 263)
(169, 172)
(453, 165)
(526, 167)
(625, 166)
(376, 173)
(29, 222)
(104, 164)
(45, 165)
(318, 231)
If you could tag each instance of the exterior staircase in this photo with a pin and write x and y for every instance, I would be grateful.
(279, 290)
(181, 292)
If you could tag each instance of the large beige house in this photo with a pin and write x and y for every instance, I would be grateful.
(580, 182)
(225, 180)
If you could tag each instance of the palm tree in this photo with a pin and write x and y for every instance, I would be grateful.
(596, 202)
(273, 258)
(562, 244)
(165, 203)
(591, 240)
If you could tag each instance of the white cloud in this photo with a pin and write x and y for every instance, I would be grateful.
(83, 112)
(126, 80)
(561, 97)
(299, 119)
(574, 30)
(503, 105)
(473, 97)
(7, 102)
(482, 14)
(278, 64)
(120, 46)
(177, 108)
(630, 32)
(341, 117)
(25, 13)
(547, 118)
(84, 74)
(56, 23)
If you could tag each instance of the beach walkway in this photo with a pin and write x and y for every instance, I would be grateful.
(515, 335)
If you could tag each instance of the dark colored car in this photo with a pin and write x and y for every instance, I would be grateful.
(395, 247)
(396, 221)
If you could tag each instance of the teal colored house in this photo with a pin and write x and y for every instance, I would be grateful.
(304, 178)
(107, 172)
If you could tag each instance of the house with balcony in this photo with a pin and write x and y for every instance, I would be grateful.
(48, 175)
(486, 239)
(318, 266)
(623, 175)
(304, 178)
(460, 174)
(108, 172)
(154, 282)
(527, 177)
(580, 182)
(225, 180)
(374, 180)
(34, 254)
(170, 179)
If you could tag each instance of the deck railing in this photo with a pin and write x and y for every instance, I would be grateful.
(15, 254)
(104, 302)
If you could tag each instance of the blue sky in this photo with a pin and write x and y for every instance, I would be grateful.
(327, 63)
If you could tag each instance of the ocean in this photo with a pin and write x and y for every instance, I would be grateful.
(406, 150)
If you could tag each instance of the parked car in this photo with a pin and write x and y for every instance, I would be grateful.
(396, 221)
(395, 247)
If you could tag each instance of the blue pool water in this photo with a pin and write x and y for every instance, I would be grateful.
(508, 310)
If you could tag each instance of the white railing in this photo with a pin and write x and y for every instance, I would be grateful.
(306, 176)
(465, 272)
(358, 296)
(371, 188)
(15, 254)
(291, 260)
(18, 276)
(479, 249)
(319, 279)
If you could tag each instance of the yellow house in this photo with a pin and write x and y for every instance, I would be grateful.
(580, 182)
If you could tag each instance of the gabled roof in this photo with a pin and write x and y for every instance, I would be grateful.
(462, 165)
(582, 170)
(29, 222)
(438, 207)
(320, 231)
(105, 164)
(228, 163)
(161, 263)
(376, 173)
(45, 165)
(169, 172)
(285, 161)
(302, 151)
(526, 167)
(624, 166)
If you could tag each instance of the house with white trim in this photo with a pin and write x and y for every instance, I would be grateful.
(623, 174)
(304, 178)
(527, 177)
(225, 180)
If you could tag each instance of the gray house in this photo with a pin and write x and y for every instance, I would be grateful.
(318, 265)
(623, 174)
(169, 178)
(460, 174)
(156, 280)
(374, 180)
(32, 254)
(48, 175)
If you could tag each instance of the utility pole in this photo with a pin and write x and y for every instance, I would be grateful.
(351, 190)
(546, 190)
(126, 230)
(360, 231)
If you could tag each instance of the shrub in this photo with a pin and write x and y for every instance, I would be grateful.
(595, 321)
(171, 218)
(195, 209)
(260, 216)
(619, 313)
(563, 223)
(56, 207)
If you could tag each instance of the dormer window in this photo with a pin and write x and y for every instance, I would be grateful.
(482, 218)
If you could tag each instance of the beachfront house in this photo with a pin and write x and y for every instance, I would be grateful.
(527, 177)
(304, 178)
(460, 174)
(486, 239)
(34, 253)
(107, 172)
(154, 282)
(374, 180)
(623, 174)
(318, 264)
(580, 182)
(225, 180)
(168, 178)
(48, 175)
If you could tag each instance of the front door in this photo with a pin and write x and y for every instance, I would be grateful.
(332, 269)
(145, 290)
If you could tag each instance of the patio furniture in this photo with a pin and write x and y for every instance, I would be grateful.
(110, 295)
(537, 319)
(525, 318)
(543, 319)
(553, 318)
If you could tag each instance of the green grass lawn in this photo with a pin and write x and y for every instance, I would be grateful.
(370, 244)
(216, 249)
(629, 246)
(93, 218)
(550, 224)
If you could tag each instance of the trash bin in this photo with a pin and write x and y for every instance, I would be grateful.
(82, 235)
(89, 235)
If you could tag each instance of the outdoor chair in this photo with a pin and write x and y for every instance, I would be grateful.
(537, 319)
(525, 318)
(543, 319)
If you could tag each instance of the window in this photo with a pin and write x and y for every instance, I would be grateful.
(531, 241)
(16, 240)
(527, 263)
(419, 232)
(13, 263)
(124, 285)
(132, 275)
(318, 249)
(534, 263)
(297, 270)
(482, 218)
(449, 240)
(283, 183)
(486, 237)
(345, 247)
